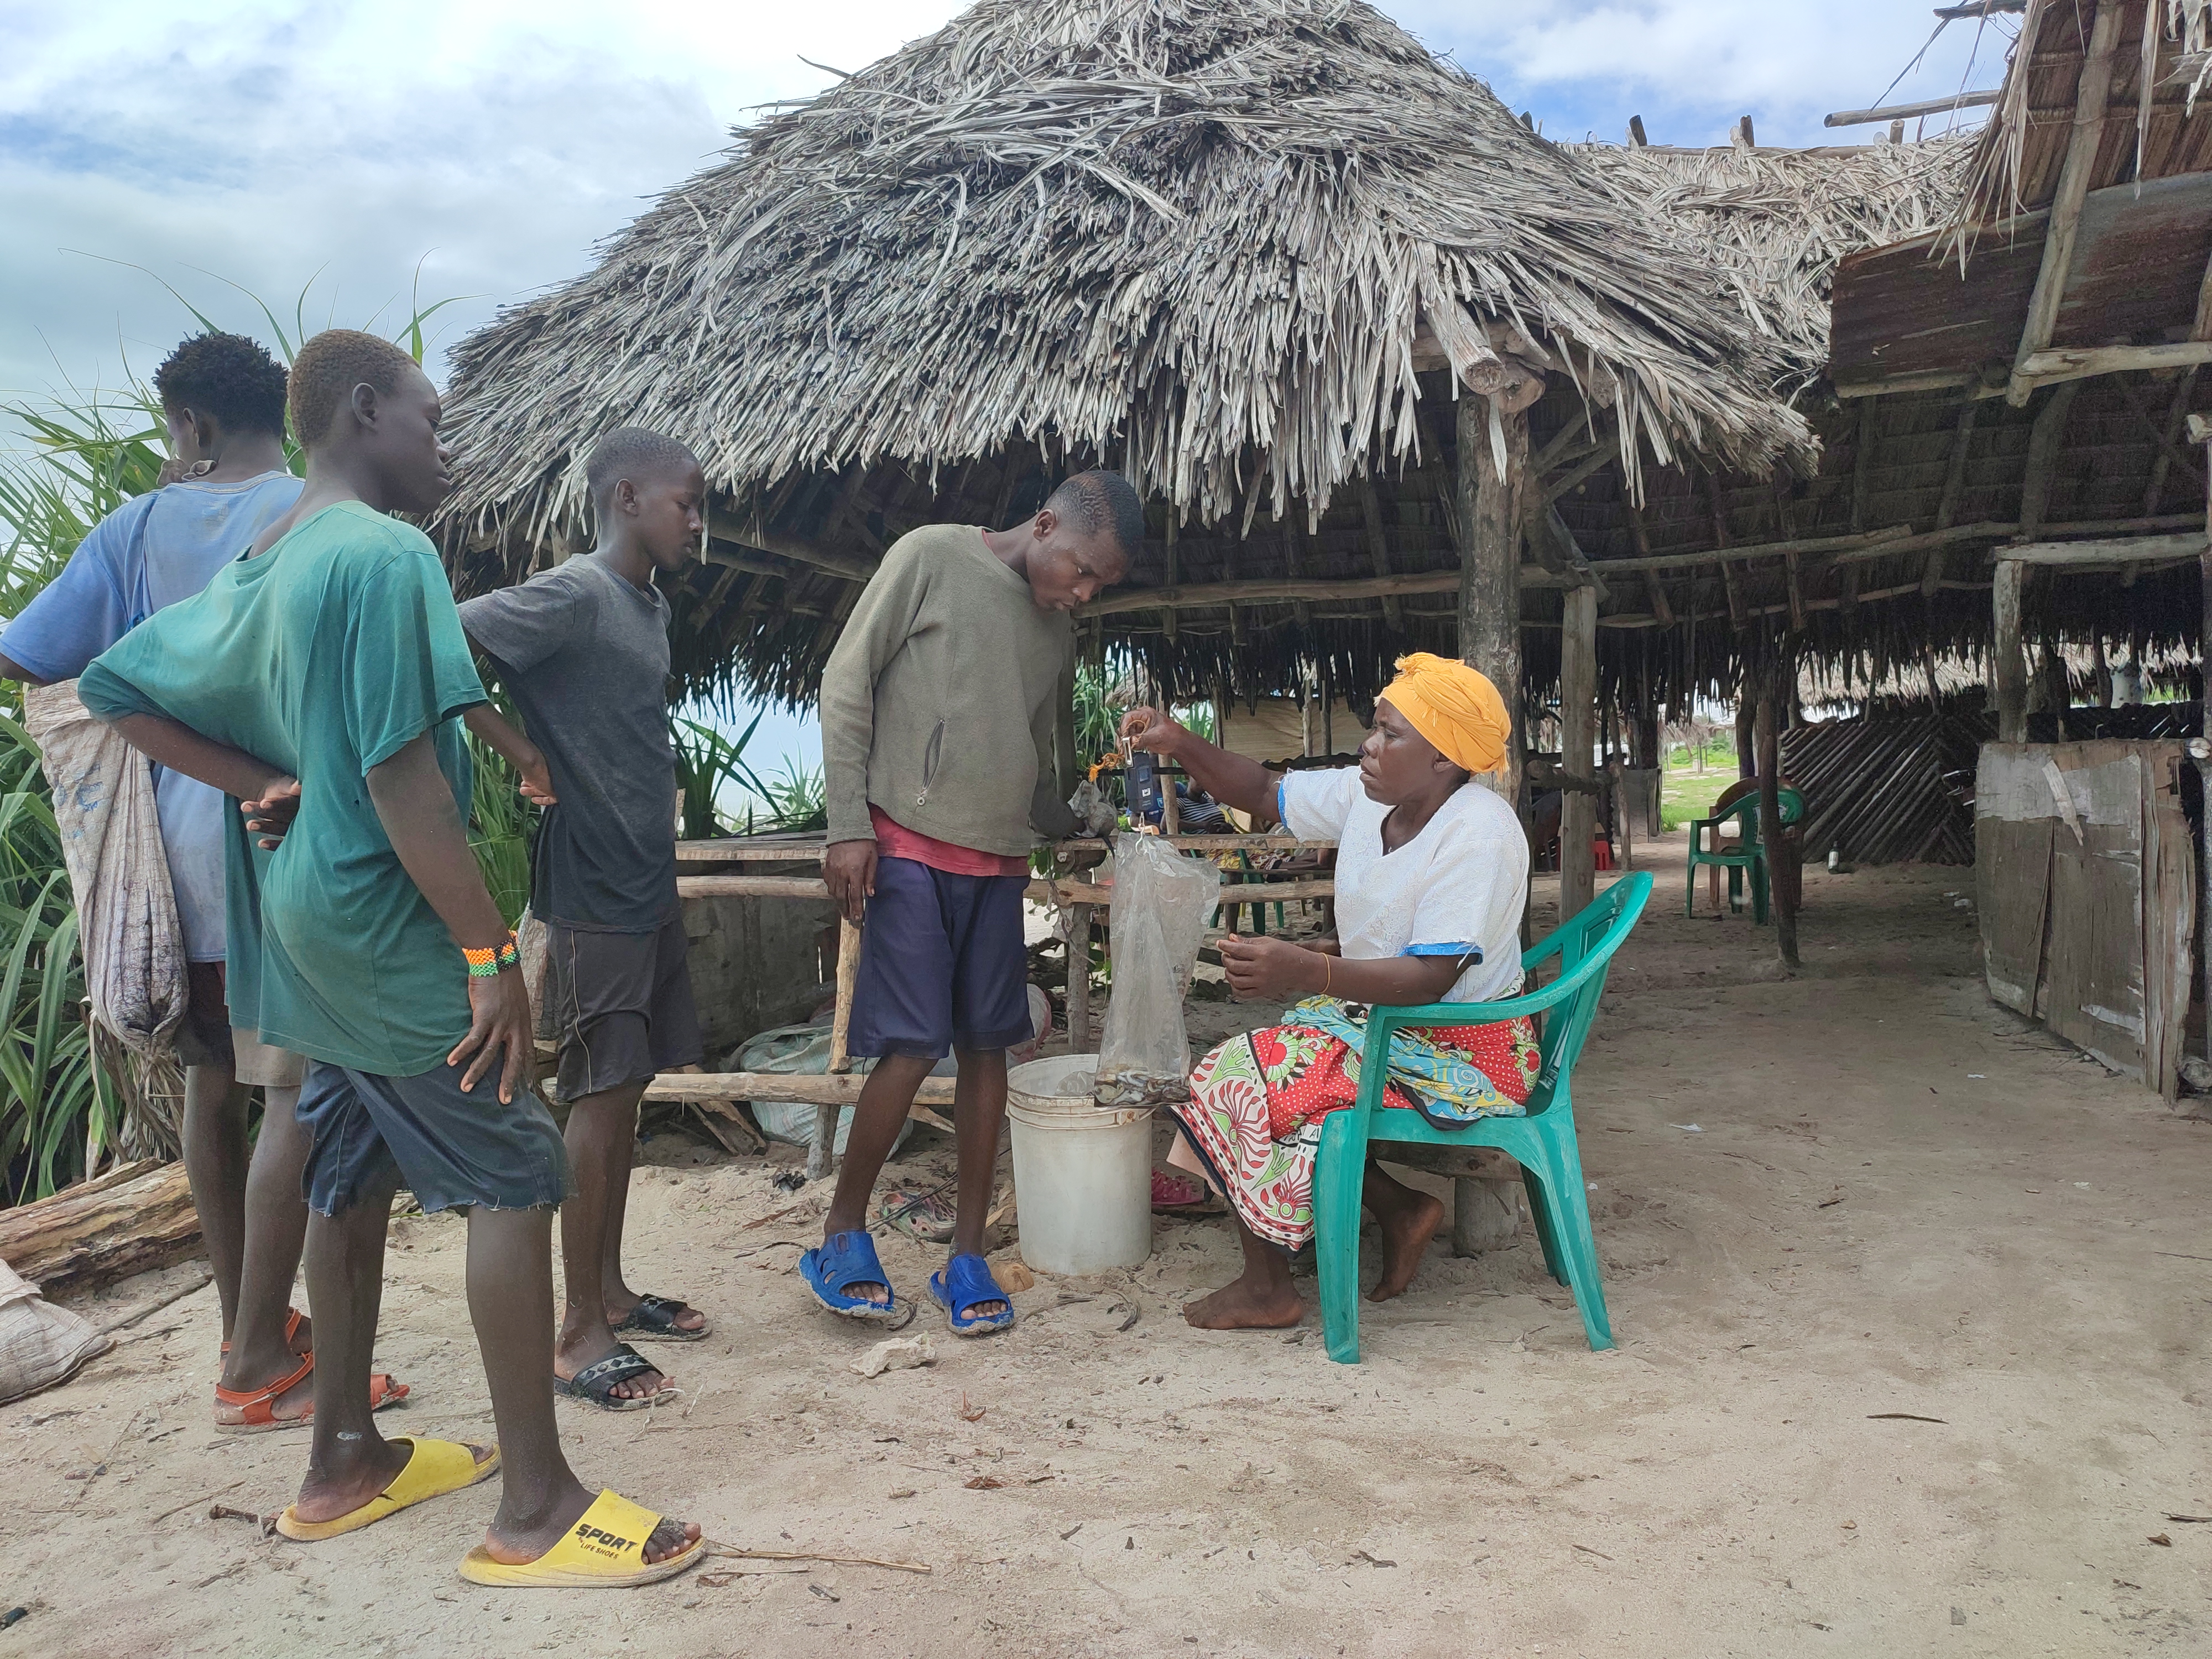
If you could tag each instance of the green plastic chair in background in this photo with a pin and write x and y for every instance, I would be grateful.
(1750, 852)
(1542, 1142)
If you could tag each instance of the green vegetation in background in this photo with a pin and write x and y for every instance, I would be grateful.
(1685, 793)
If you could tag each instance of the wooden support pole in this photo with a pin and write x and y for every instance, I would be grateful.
(1781, 882)
(820, 1154)
(1490, 564)
(2091, 91)
(2007, 667)
(1078, 979)
(2200, 431)
(1660, 607)
(1578, 715)
(1747, 745)
(1378, 548)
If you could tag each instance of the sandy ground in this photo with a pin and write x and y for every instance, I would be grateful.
(1895, 1201)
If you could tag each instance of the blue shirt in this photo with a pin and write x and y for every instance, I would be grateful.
(152, 551)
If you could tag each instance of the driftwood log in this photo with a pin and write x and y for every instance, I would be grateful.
(134, 1219)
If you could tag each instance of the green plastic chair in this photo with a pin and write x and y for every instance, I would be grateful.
(1750, 852)
(1543, 1142)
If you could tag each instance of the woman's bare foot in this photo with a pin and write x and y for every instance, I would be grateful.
(1246, 1305)
(1407, 1232)
(525, 1544)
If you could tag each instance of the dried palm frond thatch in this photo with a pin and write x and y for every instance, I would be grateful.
(1775, 222)
(1208, 241)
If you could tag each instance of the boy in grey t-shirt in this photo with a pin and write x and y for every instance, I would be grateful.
(583, 650)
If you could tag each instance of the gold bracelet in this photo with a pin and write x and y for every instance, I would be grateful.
(1326, 973)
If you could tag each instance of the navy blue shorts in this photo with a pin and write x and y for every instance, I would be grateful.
(451, 1150)
(942, 964)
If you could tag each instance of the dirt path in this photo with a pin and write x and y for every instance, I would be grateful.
(1895, 1201)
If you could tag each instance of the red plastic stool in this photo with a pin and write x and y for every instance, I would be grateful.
(1602, 851)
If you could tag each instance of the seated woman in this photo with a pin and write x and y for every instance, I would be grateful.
(1432, 876)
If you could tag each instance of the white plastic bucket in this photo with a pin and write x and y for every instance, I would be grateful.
(1083, 1173)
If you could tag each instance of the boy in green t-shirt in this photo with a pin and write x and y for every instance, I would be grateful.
(319, 679)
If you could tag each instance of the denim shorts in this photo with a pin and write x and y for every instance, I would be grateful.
(450, 1149)
(942, 964)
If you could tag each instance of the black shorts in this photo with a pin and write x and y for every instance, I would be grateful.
(620, 1005)
(451, 1149)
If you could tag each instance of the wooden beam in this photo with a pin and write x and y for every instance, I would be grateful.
(1577, 735)
(1954, 490)
(1636, 132)
(1594, 462)
(1491, 497)
(2188, 544)
(2091, 92)
(2048, 367)
(809, 1090)
(2176, 412)
(1295, 562)
(1868, 117)
(2169, 443)
(1378, 548)
(1721, 540)
(2045, 440)
(1660, 607)
(2007, 667)
(1174, 572)
(853, 566)
(1264, 590)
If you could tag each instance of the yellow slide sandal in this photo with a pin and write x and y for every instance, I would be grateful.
(605, 1550)
(434, 1468)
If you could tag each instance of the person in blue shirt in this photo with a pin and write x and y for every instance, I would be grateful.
(222, 399)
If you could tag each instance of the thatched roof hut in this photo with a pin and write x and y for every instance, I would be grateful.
(1777, 221)
(1247, 253)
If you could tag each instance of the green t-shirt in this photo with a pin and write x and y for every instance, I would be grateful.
(325, 656)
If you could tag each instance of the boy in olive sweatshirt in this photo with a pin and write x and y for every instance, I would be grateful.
(936, 722)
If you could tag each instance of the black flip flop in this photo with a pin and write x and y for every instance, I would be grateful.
(597, 1381)
(655, 1319)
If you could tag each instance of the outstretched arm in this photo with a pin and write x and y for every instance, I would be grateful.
(416, 805)
(1230, 779)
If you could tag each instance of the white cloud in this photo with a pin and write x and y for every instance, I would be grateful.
(266, 141)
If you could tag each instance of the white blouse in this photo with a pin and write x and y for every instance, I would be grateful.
(1462, 881)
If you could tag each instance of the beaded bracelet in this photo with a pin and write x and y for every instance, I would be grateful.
(486, 962)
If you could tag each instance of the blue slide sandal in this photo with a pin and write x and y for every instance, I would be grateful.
(966, 1281)
(841, 1261)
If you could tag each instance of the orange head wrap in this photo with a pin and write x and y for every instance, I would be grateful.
(1454, 707)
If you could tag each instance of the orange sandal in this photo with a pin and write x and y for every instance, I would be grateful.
(293, 1320)
(258, 1407)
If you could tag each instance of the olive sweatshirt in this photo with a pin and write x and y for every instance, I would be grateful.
(938, 701)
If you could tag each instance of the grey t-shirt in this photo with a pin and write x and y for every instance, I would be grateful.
(584, 653)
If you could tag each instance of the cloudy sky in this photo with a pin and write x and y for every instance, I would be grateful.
(331, 147)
